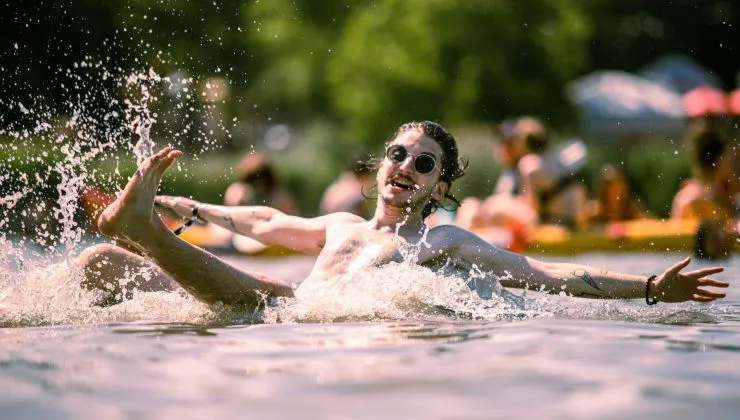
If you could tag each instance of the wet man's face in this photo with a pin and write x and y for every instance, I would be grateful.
(401, 184)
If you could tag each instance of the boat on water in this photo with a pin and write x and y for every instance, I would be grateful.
(219, 240)
(644, 235)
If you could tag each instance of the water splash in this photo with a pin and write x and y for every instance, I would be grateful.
(51, 295)
(50, 156)
(400, 291)
(138, 112)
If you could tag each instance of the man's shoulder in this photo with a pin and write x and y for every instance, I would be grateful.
(342, 218)
(450, 232)
(454, 241)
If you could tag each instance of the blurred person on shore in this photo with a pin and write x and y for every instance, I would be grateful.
(539, 185)
(348, 192)
(550, 180)
(505, 205)
(613, 198)
(712, 194)
(258, 184)
(712, 241)
(710, 191)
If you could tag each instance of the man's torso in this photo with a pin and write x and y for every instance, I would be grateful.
(353, 247)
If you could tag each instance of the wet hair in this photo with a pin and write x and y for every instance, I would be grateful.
(360, 163)
(453, 166)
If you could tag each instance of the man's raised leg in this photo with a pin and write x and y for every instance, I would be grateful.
(131, 219)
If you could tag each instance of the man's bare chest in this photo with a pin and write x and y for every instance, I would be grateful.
(365, 248)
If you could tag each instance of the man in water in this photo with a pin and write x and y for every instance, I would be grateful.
(421, 162)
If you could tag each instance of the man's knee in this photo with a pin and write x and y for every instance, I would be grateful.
(96, 255)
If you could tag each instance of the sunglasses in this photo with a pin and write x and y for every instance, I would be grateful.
(424, 163)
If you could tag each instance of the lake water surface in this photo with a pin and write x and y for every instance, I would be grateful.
(391, 353)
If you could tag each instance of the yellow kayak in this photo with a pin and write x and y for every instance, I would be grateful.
(648, 235)
(218, 239)
(644, 235)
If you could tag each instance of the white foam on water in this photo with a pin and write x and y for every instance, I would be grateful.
(40, 291)
(401, 291)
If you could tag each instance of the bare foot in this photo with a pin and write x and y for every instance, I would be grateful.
(131, 216)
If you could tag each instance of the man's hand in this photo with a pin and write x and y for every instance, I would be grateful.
(183, 206)
(674, 286)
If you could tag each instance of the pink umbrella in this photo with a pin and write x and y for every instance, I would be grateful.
(735, 102)
(705, 100)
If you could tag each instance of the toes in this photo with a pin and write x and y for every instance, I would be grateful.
(155, 158)
(165, 161)
(161, 155)
(157, 163)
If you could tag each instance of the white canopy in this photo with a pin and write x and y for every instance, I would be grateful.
(619, 103)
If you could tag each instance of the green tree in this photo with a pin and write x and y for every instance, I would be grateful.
(292, 41)
(455, 61)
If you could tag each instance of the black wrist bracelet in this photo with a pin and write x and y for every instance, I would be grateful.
(195, 212)
(649, 301)
(194, 218)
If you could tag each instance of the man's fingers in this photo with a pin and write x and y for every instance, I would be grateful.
(180, 205)
(703, 299)
(709, 293)
(703, 295)
(679, 265)
(705, 272)
(712, 282)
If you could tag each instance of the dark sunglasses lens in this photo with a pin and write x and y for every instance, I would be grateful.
(424, 164)
(396, 153)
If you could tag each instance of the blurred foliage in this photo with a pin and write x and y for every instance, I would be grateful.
(455, 61)
(372, 65)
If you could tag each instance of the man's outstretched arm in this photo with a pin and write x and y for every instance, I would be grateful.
(673, 285)
(264, 224)
(515, 270)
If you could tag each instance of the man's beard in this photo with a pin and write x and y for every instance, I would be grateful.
(414, 203)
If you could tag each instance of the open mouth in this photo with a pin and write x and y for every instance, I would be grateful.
(402, 183)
